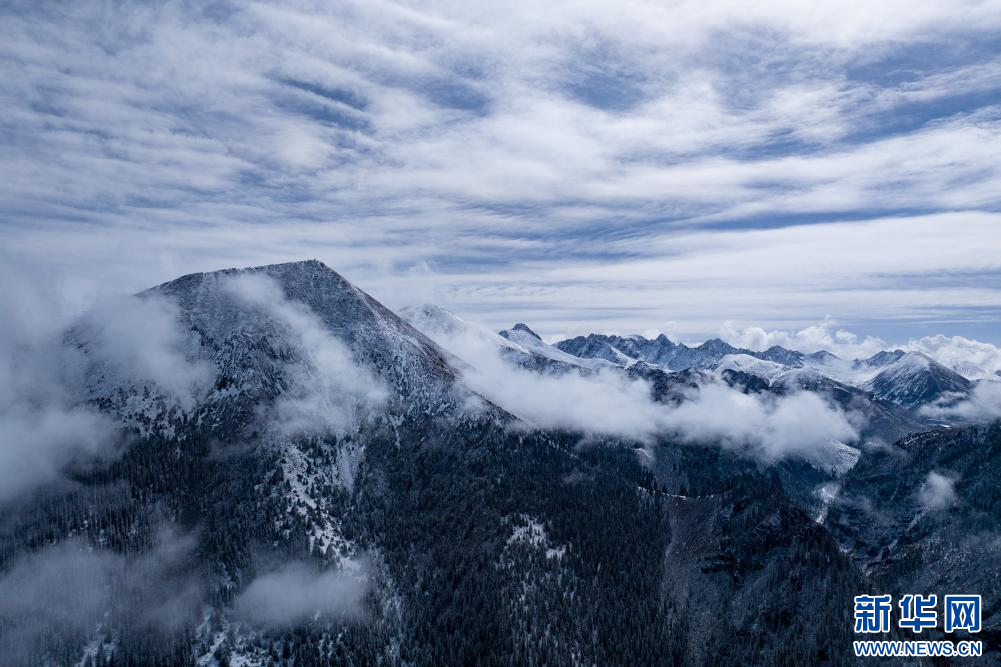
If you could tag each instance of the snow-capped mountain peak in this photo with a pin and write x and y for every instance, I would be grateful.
(269, 332)
(880, 359)
(522, 335)
(523, 328)
(915, 379)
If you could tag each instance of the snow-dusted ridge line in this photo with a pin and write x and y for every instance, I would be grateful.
(256, 349)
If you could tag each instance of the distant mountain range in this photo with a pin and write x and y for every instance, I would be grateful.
(342, 485)
(907, 380)
(910, 379)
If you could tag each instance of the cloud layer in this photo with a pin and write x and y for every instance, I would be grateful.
(608, 166)
(42, 429)
(975, 360)
(609, 403)
(139, 341)
(983, 404)
(938, 492)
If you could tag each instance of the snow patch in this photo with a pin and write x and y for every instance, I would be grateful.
(745, 363)
(826, 494)
(837, 459)
(528, 530)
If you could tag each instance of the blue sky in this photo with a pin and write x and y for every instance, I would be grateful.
(687, 167)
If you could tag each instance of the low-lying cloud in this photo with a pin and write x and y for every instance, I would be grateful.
(825, 335)
(982, 404)
(60, 590)
(65, 592)
(970, 358)
(800, 424)
(297, 592)
(609, 403)
(938, 492)
(329, 392)
(56, 356)
(41, 428)
(38, 443)
(138, 341)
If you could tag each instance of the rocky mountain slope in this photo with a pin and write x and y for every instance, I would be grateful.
(922, 515)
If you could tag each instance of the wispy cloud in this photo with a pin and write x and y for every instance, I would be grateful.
(609, 403)
(938, 492)
(607, 162)
(297, 592)
(58, 355)
(62, 594)
(328, 391)
(983, 404)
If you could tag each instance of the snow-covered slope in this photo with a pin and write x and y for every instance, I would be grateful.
(745, 363)
(837, 459)
(523, 336)
(445, 327)
(916, 379)
(880, 359)
(273, 331)
(625, 350)
(781, 355)
(598, 346)
(470, 342)
(909, 379)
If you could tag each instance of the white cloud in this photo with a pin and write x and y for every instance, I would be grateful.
(823, 336)
(329, 392)
(42, 430)
(297, 592)
(938, 492)
(377, 135)
(971, 358)
(800, 424)
(61, 590)
(140, 341)
(37, 444)
(983, 404)
(56, 354)
(608, 403)
(66, 590)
